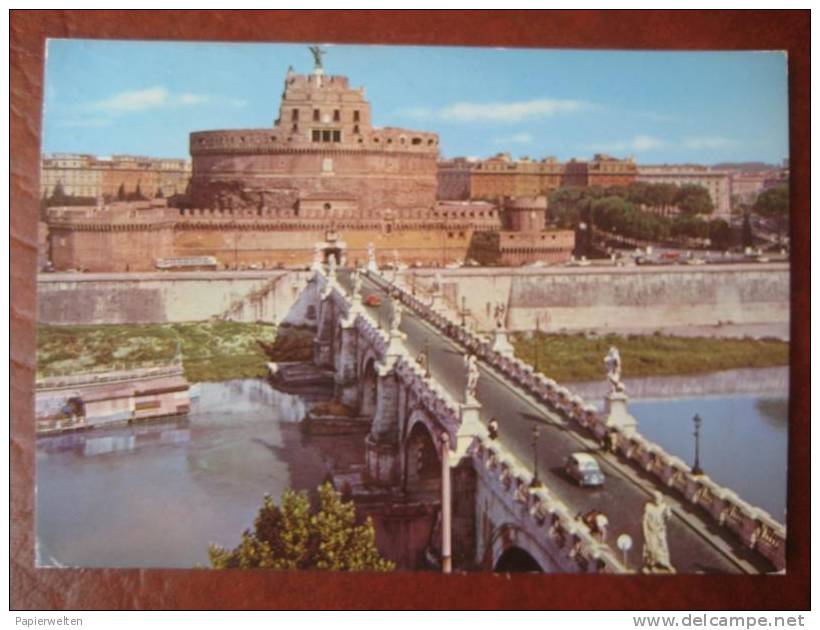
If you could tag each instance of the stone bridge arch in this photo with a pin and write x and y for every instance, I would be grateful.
(511, 549)
(421, 459)
(516, 560)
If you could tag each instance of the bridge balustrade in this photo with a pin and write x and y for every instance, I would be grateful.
(541, 515)
(668, 470)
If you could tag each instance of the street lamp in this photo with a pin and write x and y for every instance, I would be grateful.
(536, 482)
(463, 311)
(696, 469)
(624, 543)
(537, 340)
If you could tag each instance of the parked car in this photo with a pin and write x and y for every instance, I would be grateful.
(584, 469)
(373, 300)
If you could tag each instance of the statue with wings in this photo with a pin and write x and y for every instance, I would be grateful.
(317, 53)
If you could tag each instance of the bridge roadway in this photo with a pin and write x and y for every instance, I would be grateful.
(695, 544)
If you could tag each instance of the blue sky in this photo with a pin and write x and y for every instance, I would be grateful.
(107, 97)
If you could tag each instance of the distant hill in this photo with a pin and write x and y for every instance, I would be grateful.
(745, 166)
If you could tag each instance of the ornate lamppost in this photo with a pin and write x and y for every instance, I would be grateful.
(696, 469)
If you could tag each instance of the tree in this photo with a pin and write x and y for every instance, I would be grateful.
(294, 536)
(746, 232)
(566, 204)
(720, 233)
(138, 193)
(693, 199)
(159, 194)
(58, 196)
(121, 192)
(773, 202)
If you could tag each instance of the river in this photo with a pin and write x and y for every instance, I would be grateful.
(155, 495)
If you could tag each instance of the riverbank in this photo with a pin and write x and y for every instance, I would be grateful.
(579, 357)
(210, 351)
(758, 381)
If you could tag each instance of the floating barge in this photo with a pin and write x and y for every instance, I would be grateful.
(83, 401)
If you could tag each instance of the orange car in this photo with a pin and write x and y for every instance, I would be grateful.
(373, 300)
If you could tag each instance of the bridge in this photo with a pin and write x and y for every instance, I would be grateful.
(462, 495)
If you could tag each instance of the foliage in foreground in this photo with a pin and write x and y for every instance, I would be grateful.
(292, 536)
(574, 358)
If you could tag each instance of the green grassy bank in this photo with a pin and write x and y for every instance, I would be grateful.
(573, 358)
(219, 350)
(211, 351)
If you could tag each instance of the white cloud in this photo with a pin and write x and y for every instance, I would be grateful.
(132, 101)
(509, 112)
(192, 99)
(708, 142)
(500, 112)
(148, 98)
(637, 144)
(516, 138)
(416, 112)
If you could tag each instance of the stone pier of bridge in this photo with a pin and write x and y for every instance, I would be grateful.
(489, 514)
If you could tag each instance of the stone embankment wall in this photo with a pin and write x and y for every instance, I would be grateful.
(643, 298)
(166, 297)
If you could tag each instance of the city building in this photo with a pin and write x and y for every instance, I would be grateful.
(501, 176)
(717, 182)
(82, 175)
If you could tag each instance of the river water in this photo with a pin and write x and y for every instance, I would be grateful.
(156, 495)
(743, 441)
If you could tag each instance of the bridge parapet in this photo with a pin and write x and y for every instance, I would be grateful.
(753, 526)
(544, 526)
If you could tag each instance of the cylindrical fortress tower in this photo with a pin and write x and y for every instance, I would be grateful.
(525, 214)
(322, 143)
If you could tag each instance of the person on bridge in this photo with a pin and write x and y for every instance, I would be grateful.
(596, 522)
(610, 441)
(492, 428)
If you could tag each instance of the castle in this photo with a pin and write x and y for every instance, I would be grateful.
(321, 176)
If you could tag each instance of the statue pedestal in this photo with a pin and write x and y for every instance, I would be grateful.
(501, 344)
(617, 414)
(469, 426)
